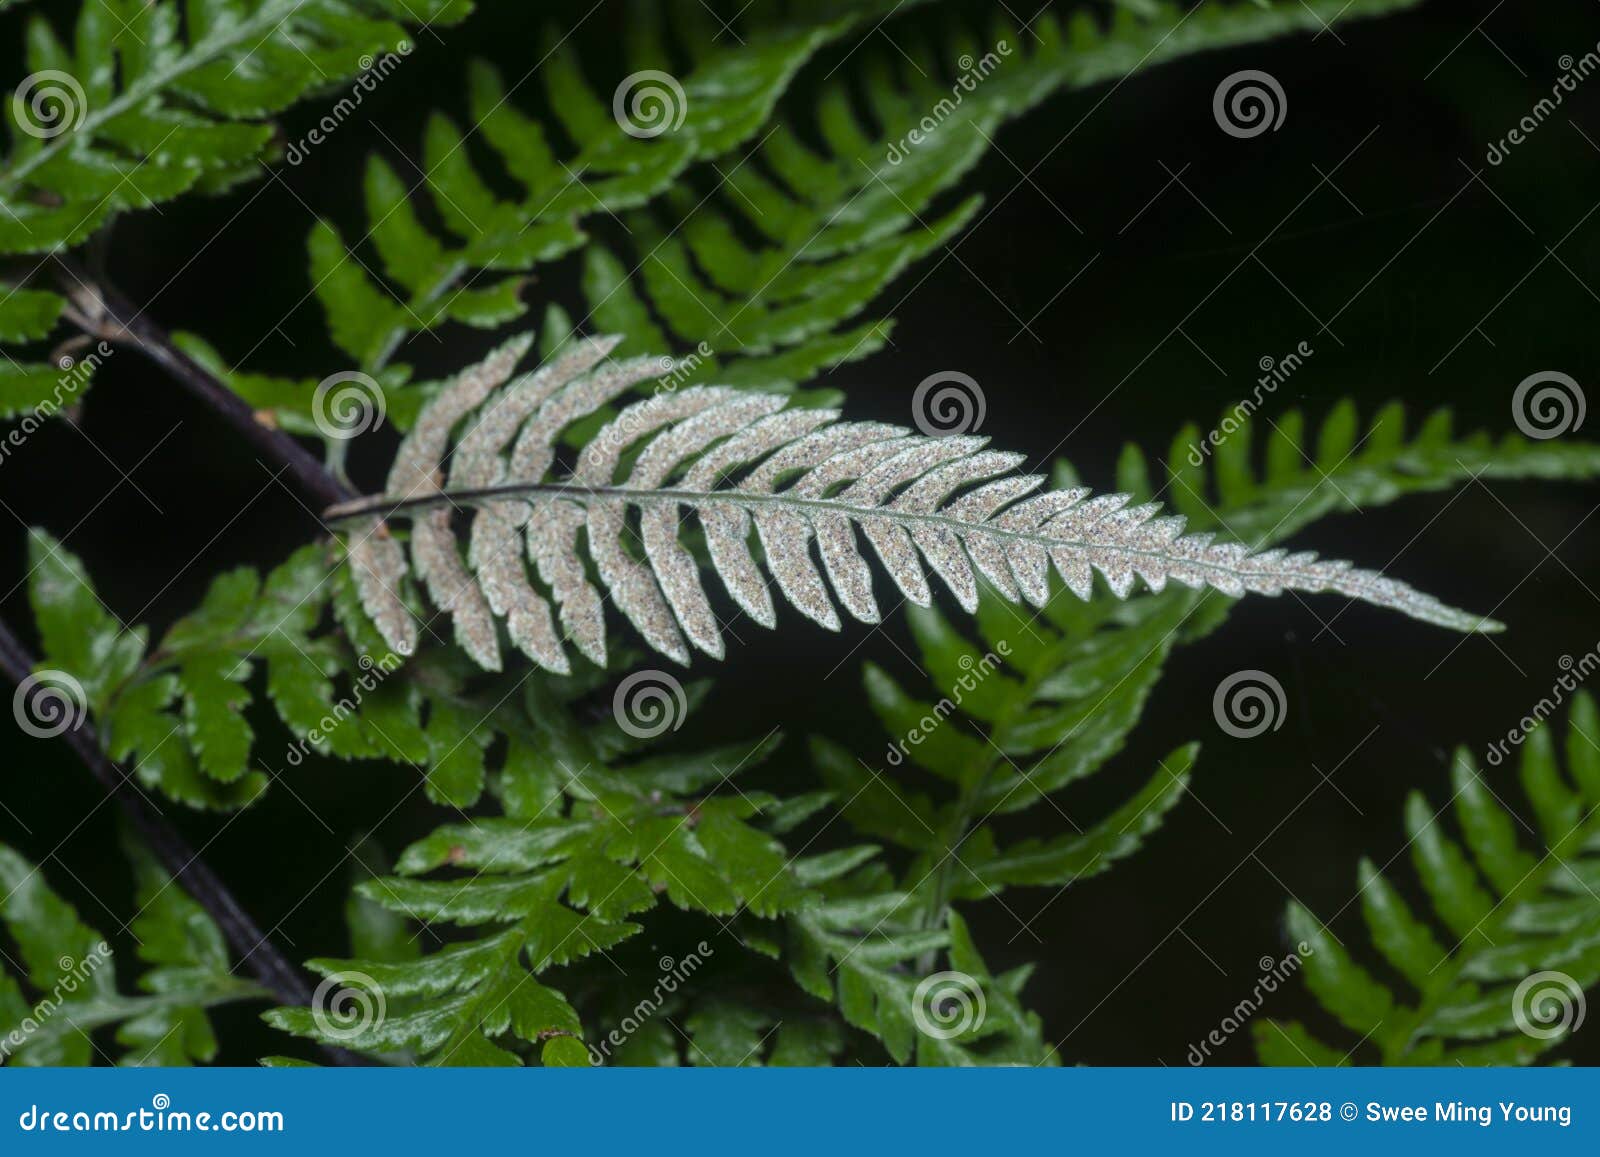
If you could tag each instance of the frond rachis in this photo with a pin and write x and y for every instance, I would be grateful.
(802, 479)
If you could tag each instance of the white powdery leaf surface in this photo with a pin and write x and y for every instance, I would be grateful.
(803, 486)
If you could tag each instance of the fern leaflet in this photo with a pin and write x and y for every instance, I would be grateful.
(622, 163)
(1511, 917)
(956, 503)
(760, 274)
(69, 965)
(1042, 699)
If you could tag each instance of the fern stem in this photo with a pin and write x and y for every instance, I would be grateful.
(176, 856)
(255, 951)
(967, 803)
(107, 314)
(1294, 572)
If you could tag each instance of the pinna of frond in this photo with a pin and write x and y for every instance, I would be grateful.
(737, 461)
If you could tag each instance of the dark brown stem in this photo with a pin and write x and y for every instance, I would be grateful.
(255, 951)
(181, 862)
(105, 313)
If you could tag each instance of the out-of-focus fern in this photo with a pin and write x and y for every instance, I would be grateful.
(38, 389)
(754, 260)
(153, 99)
(60, 989)
(759, 273)
(1343, 465)
(620, 158)
(1043, 699)
(1495, 972)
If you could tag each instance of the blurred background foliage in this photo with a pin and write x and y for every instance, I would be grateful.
(1131, 267)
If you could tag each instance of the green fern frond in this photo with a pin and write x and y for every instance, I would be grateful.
(834, 228)
(61, 987)
(1342, 466)
(861, 948)
(37, 390)
(176, 714)
(155, 99)
(1495, 973)
(1041, 699)
(760, 275)
(539, 892)
(629, 149)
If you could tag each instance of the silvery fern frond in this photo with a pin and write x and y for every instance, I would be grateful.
(801, 484)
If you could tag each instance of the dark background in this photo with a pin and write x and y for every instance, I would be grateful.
(1445, 282)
